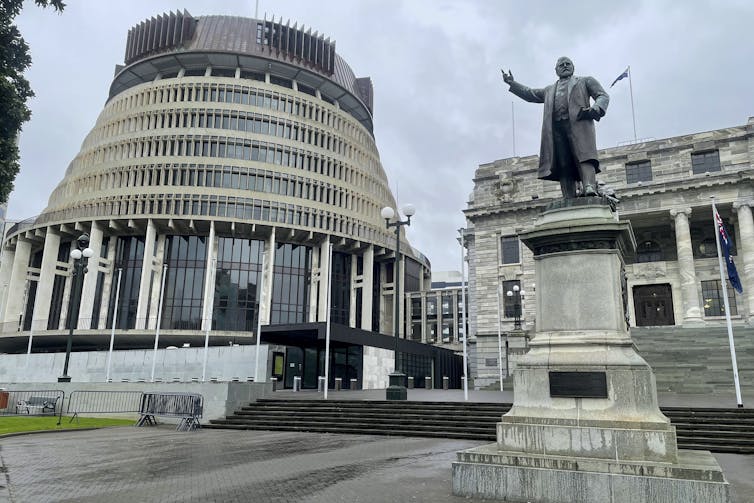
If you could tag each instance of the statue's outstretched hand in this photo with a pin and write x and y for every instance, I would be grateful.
(507, 77)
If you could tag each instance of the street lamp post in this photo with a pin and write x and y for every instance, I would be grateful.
(517, 294)
(80, 255)
(397, 380)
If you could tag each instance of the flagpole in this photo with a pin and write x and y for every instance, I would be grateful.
(327, 318)
(731, 343)
(513, 121)
(112, 331)
(631, 92)
(259, 318)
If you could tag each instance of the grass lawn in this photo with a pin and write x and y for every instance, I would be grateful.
(14, 424)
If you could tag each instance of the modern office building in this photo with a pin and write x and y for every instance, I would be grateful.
(230, 155)
(665, 189)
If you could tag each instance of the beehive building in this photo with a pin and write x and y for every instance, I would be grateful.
(230, 154)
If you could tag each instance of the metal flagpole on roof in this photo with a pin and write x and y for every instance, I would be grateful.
(259, 318)
(731, 344)
(159, 318)
(112, 331)
(513, 121)
(631, 92)
(327, 318)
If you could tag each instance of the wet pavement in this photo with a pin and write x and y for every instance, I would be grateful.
(158, 464)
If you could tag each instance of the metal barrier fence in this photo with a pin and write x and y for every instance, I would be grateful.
(37, 402)
(103, 402)
(187, 406)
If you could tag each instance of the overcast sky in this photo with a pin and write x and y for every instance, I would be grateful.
(440, 106)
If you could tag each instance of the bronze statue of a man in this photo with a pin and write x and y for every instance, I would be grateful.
(568, 152)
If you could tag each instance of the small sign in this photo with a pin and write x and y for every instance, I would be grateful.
(578, 384)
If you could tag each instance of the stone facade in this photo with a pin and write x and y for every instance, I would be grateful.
(665, 187)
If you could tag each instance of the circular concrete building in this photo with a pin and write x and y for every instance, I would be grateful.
(230, 154)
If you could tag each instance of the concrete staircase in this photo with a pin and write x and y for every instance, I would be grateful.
(717, 430)
(696, 360)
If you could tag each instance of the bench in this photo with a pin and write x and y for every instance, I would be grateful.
(39, 404)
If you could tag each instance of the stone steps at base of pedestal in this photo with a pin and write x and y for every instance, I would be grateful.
(718, 430)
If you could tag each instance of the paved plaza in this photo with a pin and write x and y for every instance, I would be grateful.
(158, 464)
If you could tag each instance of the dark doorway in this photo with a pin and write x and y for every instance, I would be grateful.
(653, 305)
(294, 365)
(309, 380)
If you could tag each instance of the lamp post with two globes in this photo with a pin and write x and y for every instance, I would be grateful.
(397, 380)
(80, 255)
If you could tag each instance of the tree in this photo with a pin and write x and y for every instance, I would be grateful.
(15, 90)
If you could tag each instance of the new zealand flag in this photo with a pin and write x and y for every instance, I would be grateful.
(725, 244)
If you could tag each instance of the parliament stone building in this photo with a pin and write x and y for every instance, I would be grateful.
(674, 290)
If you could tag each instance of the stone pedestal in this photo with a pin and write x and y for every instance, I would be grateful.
(585, 425)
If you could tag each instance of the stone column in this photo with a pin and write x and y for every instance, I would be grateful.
(209, 279)
(41, 311)
(367, 285)
(355, 284)
(268, 273)
(89, 287)
(17, 283)
(158, 265)
(6, 267)
(692, 313)
(147, 268)
(745, 248)
(313, 284)
(324, 279)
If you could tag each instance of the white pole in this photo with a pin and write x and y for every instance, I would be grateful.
(631, 91)
(727, 308)
(499, 336)
(463, 321)
(513, 121)
(112, 330)
(327, 318)
(260, 289)
(208, 321)
(159, 318)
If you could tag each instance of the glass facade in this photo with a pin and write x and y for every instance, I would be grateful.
(186, 257)
(35, 260)
(129, 255)
(413, 274)
(237, 273)
(340, 300)
(58, 289)
(100, 282)
(290, 284)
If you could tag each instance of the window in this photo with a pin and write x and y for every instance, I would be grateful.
(509, 250)
(705, 162)
(648, 251)
(714, 305)
(638, 172)
(512, 303)
(431, 307)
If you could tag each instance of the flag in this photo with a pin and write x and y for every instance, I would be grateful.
(621, 76)
(725, 244)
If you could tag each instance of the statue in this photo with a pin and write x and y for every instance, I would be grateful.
(568, 152)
